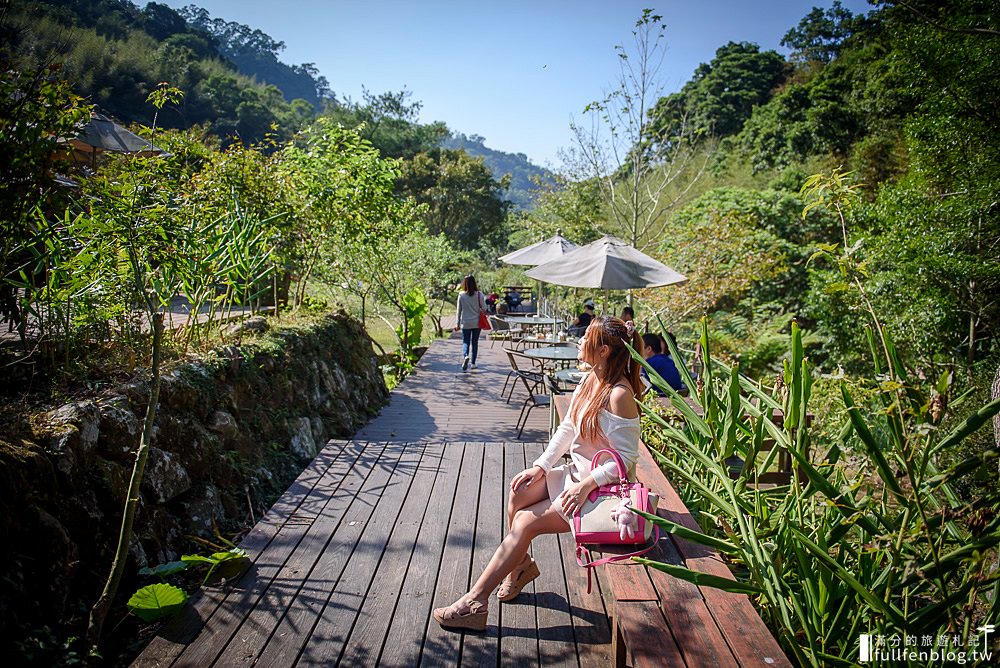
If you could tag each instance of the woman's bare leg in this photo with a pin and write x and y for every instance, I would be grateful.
(527, 523)
(523, 497)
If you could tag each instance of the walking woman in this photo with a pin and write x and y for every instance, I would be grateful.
(602, 414)
(470, 305)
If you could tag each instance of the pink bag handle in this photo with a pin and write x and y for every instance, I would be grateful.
(589, 564)
(622, 473)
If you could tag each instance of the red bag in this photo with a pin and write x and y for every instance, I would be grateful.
(484, 322)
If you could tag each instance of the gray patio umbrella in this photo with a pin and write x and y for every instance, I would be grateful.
(539, 253)
(103, 134)
(544, 251)
(609, 264)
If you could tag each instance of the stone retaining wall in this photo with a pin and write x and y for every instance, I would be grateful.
(233, 431)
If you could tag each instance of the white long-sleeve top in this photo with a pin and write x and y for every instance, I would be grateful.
(622, 435)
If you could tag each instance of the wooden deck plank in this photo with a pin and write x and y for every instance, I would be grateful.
(251, 619)
(174, 637)
(591, 622)
(518, 624)
(405, 636)
(258, 623)
(480, 649)
(695, 631)
(641, 623)
(228, 616)
(354, 583)
(556, 644)
(342, 525)
(443, 648)
(364, 645)
(292, 632)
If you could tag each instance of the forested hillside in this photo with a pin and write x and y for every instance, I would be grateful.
(902, 100)
(525, 178)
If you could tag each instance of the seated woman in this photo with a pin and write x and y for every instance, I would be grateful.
(602, 414)
(652, 350)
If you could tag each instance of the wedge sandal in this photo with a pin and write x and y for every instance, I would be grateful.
(474, 619)
(508, 590)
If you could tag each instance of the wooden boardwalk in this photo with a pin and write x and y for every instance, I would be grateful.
(377, 531)
(440, 402)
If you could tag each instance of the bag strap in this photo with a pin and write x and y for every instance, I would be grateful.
(622, 473)
(590, 563)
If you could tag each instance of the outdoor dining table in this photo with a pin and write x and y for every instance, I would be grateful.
(526, 320)
(571, 376)
(561, 354)
(547, 340)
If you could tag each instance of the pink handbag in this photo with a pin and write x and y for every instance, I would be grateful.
(605, 517)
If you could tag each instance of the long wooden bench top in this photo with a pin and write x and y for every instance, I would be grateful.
(708, 626)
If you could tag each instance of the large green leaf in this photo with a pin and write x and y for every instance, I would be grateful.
(701, 579)
(164, 570)
(731, 420)
(157, 601)
(689, 534)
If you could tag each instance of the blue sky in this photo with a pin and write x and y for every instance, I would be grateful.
(516, 72)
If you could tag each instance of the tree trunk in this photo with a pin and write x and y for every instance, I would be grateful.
(100, 610)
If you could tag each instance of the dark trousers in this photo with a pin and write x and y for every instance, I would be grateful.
(470, 338)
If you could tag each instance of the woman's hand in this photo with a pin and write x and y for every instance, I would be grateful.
(572, 498)
(526, 477)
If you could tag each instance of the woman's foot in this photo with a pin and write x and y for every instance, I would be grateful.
(462, 614)
(512, 585)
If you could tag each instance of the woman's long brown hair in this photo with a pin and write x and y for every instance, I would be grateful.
(595, 391)
(469, 284)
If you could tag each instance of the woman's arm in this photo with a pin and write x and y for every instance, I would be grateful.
(458, 313)
(558, 444)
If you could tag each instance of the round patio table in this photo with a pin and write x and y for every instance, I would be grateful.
(571, 376)
(556, 353)
(524, 320)
(535, 322)
(546, 340)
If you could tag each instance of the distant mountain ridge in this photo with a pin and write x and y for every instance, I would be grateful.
(521, 169)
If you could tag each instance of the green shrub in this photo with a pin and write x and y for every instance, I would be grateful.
(882, 546)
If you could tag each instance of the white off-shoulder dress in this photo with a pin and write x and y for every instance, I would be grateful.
(622, 435)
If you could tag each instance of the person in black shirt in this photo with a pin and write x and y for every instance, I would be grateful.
(582, 321)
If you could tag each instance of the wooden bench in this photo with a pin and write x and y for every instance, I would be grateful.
(660, 620)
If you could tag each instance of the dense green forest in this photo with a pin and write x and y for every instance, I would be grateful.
(845, 196)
